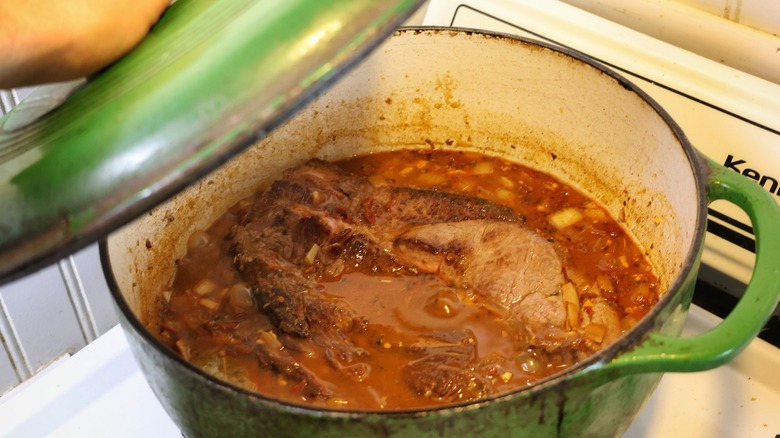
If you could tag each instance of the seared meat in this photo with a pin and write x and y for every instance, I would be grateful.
(389, 210)
(602, 315)
(271, 353)
(319, 222)
(510, 266)
(441, 368)
(353, 224)
(503, 261)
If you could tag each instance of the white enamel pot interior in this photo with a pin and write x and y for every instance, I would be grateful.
(461, 90)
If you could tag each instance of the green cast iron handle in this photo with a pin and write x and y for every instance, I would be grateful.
(660, 353)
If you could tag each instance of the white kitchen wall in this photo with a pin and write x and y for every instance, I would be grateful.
(760, 14)
(763, 15)
(752, 45)
(53, 312)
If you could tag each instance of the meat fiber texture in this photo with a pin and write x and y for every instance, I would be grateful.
(318, 222)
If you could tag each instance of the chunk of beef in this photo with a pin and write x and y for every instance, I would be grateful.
(503, 262)
(605, 323)
(390, 210)
(442, 367)
(271, 246)
(319, 222)
(318, 205)
(272, 354)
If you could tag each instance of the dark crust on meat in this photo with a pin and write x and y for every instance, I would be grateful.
(320, 204)
(319, 222)
(441, 367)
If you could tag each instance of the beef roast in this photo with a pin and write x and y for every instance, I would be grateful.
(503, 261)
(318, 222)
(442, 367)
(349, 223)
(507, 264)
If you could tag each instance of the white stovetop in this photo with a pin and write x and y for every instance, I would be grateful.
(100, 391)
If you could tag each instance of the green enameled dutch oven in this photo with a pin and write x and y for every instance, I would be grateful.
(549, 108)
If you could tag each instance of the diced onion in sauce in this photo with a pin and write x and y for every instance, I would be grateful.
(420, 164)
(483, 168)
(572, 301)
(504, 195)
(269, 339)
(605, 283)
(209, 304)
(377, 180)
(312, 254)
(594, 332)
(240, 298)
(204, 287)
(594, 213)
(507, 183)
(184, 349)
(565, 218)
(432, 179)
(570, 293)
(198, 239)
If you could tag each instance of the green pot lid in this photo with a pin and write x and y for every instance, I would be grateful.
(210, 79)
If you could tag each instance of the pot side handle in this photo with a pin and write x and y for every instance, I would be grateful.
(660, 353)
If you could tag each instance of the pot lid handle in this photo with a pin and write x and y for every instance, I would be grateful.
(210, 79)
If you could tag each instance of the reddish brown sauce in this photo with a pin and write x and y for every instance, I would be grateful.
(209, 311)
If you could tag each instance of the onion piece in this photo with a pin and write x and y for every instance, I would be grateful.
(572, 301)
(184, 349)
(312, 254)
(507, 183)
(593, 212)
(594, 332)
(483, 168)
(240, 298)
(432, 179)
(198, 239)
(204, 287)
(605, 283)
(565, 218)
(504, 195)
(269, 339)
(209, 304)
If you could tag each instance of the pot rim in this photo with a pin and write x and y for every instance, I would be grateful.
(624, 343)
